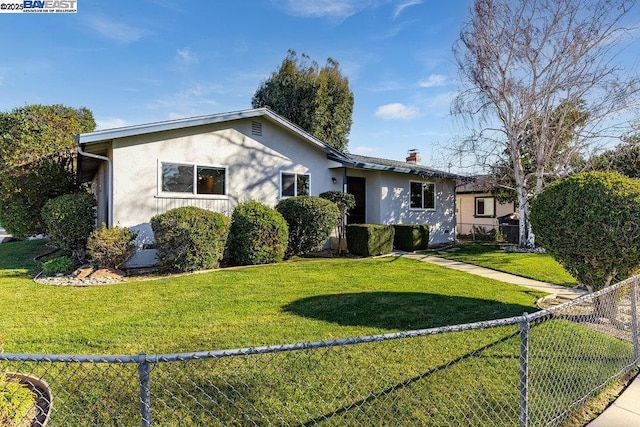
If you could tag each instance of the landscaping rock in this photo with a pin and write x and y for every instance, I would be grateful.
(86, 276)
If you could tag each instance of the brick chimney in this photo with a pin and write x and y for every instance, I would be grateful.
(414, 156)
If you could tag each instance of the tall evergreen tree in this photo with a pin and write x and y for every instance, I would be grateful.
(317, 99)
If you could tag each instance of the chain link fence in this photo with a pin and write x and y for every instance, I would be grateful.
(530, 370)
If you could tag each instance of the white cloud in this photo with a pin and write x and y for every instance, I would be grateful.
(196, 99)
(325, 8)
(405, 5)
(363, 150)
(396, 111)
(111, 123)
(434, 80)
(117, 31)
(185, 56)
(442, 101)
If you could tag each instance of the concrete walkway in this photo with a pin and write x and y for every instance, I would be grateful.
(625, 411)
(560, 291)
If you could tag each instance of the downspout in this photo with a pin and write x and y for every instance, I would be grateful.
(109, 180)
(344, 180)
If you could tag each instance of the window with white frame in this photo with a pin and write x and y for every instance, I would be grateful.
(294, 184)
(423, 195)
(193, 179)
(485, 207)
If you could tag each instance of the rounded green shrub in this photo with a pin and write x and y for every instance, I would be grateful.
(310, 220)
(258, 235)
(59, 265)
(17, 402)
(190, 238)
(111, 247)
(589, 222)
(24, 191)
(69, 219)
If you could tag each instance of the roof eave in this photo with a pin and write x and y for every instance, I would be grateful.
(409, 171)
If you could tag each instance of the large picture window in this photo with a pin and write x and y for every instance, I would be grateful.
(294, 184)
(423, 195)
(193, 179)
(485, 207)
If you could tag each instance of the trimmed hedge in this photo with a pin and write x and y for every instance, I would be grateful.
(258, 235)
(411, 237)
(310, 220)
(69, 220)
(589, 223)
(370, 239)
(111, 247)
(190, 238)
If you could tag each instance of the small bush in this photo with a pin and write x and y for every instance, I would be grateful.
(111, 247)
(16, 402)
(190, 238)
(370, 239)
(411, 237)
(310, 220)
(258, 235)
(60, 265)
(69, 219)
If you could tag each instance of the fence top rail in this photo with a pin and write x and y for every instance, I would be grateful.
(218, 354)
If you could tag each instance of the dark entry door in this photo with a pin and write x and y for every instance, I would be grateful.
(357, 187)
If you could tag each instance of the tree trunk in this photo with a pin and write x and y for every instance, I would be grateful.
(526, 238)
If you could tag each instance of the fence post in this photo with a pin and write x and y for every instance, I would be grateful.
(634, 320)
(144, 370)
(524, 370)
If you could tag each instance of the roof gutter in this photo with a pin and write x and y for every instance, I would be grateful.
(109, 179)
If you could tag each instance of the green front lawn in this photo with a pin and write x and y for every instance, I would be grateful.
(533, 266)
(466, 378)
(295, 301)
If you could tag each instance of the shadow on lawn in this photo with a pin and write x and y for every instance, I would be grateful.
(401, 310)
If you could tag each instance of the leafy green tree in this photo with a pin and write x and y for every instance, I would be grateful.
(317, 99)
(624, 158)
(589, 223)
(37, 159)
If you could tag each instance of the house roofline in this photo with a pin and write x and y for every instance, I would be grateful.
(168, 125)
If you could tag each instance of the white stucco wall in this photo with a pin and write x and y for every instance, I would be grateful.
(253, 169)
(388, 202)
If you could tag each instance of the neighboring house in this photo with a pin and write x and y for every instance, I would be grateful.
(216, 161)
(477, 210)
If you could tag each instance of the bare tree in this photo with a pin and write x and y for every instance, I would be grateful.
(527, 64)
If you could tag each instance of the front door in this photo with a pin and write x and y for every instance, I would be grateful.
(357, 187)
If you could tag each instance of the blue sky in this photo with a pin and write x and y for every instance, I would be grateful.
(142, 61)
